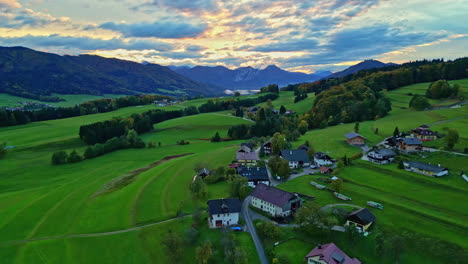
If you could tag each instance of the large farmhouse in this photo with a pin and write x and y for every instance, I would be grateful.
(329, 254)
(224, 212)
(267, 147)
(297, 158)
(409, 144)
(275, 202)
(247, 158)
(254, 175)
(381, 156)
(425, 169)
(361, 218)
(355, 139)
(423, 133)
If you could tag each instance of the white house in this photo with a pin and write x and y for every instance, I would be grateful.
(322, 159)
(381, 156)
(297, 158)
(224, 212)
(275, 202)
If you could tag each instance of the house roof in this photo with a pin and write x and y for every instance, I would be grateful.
(295, 155)
(204, 171)
(385, 152)
(352, 135)
(425, 166)
(272, 195)
(244, 148)
(253, 173)
(411, 141)
(248, 144)
(224, 206)
(424, 131)
(267, 142)
(304, 147)
(331, 254)
(424, 126)
(322, 156)
(247, 156)
(361, 216)
(324, 169)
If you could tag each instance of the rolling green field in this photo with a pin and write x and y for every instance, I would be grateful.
(41, 200)
(70, 100)
(38, 200)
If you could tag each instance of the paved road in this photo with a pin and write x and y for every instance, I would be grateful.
(252, 231)
(93, 234)
(449, 120)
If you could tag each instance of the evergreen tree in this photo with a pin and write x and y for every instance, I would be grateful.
(216, 138)
(282, 110)
(396, 132)
(356, 127)
(452, 137)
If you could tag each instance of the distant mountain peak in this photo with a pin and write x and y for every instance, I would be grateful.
(363, 65)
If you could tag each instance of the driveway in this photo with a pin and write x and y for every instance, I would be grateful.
(252, 231)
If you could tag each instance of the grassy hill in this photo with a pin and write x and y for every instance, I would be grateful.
(39, 200)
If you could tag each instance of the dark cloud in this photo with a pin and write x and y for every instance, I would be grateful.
(158, 29)
(194, 48)
(191, 5)
(23, 18)
(82, 43)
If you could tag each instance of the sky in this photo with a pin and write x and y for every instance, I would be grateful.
(296, 35)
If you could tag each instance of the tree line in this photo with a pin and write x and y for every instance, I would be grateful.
(17, 117)
(217, 105)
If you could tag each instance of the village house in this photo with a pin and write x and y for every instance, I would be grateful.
(425, 169)
(275, 202)
(244, 149)
(355, 139)
(224, 212)
(203, 173)
(361, 218)
(247, 158)
(248, 144)
(322, 159)
(409, 144)
(297, 158)
(423, 133)
(267, 147)
(304, 147)
(254, 175)
(326, 170)
(329, 254)
(381, 156)
(253, 110)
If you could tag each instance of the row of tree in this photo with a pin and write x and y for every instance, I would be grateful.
(18, 117)
(129, 140)
(217, 105)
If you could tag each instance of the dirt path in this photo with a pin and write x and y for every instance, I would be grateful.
(93, 234)
(140, 191)
(446, 121)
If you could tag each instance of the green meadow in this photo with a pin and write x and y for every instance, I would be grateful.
(38, 200)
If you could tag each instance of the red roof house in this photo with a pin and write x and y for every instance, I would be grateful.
(329, 254)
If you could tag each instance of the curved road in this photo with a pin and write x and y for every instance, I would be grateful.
(252, 231)
(92, 234)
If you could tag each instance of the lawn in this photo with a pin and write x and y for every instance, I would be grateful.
(287, 100)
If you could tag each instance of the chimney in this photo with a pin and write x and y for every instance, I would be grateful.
(319, 246)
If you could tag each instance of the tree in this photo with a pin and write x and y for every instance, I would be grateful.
(282, 110)
(74, 157)
(268, 230)
(303, 127)
(198, 188)
(452, 137)
(238, 186)
(419, 103)
(59, 157)
(216, 138)
(3, 151)
(308, 216)
(337, 185)
(204, 252)
(396, 132)
(356, 127)
(173, 245)
(236, 94)
(401, 166)
(261, 153)
(191, 235)
(278, 143)
(376, 131)
(279, 167)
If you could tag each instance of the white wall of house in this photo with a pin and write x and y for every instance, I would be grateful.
(251, 183)
(321, 162)
(316, 260)
(293, 164)
(226, 219)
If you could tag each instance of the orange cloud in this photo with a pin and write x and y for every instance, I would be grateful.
(10, 3)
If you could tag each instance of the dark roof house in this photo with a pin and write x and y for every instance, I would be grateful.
(224, 206)
(248, 144)
(425, 166)
(295, 155)
(330, 254)
(304, 147)
(411, 141)
(352, 135)
(361, 216)
(272, 195)
(247, 156)
(203, 172)
(323, 156)
(253, 173)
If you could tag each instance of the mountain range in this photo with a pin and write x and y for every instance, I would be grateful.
(26, 71)
(246, 78)
(363, 65)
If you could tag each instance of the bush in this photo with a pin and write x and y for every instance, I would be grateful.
(216, 138)
(59, 157)
(74, 157)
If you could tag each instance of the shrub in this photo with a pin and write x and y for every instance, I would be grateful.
(59, 157)
(74, 157)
